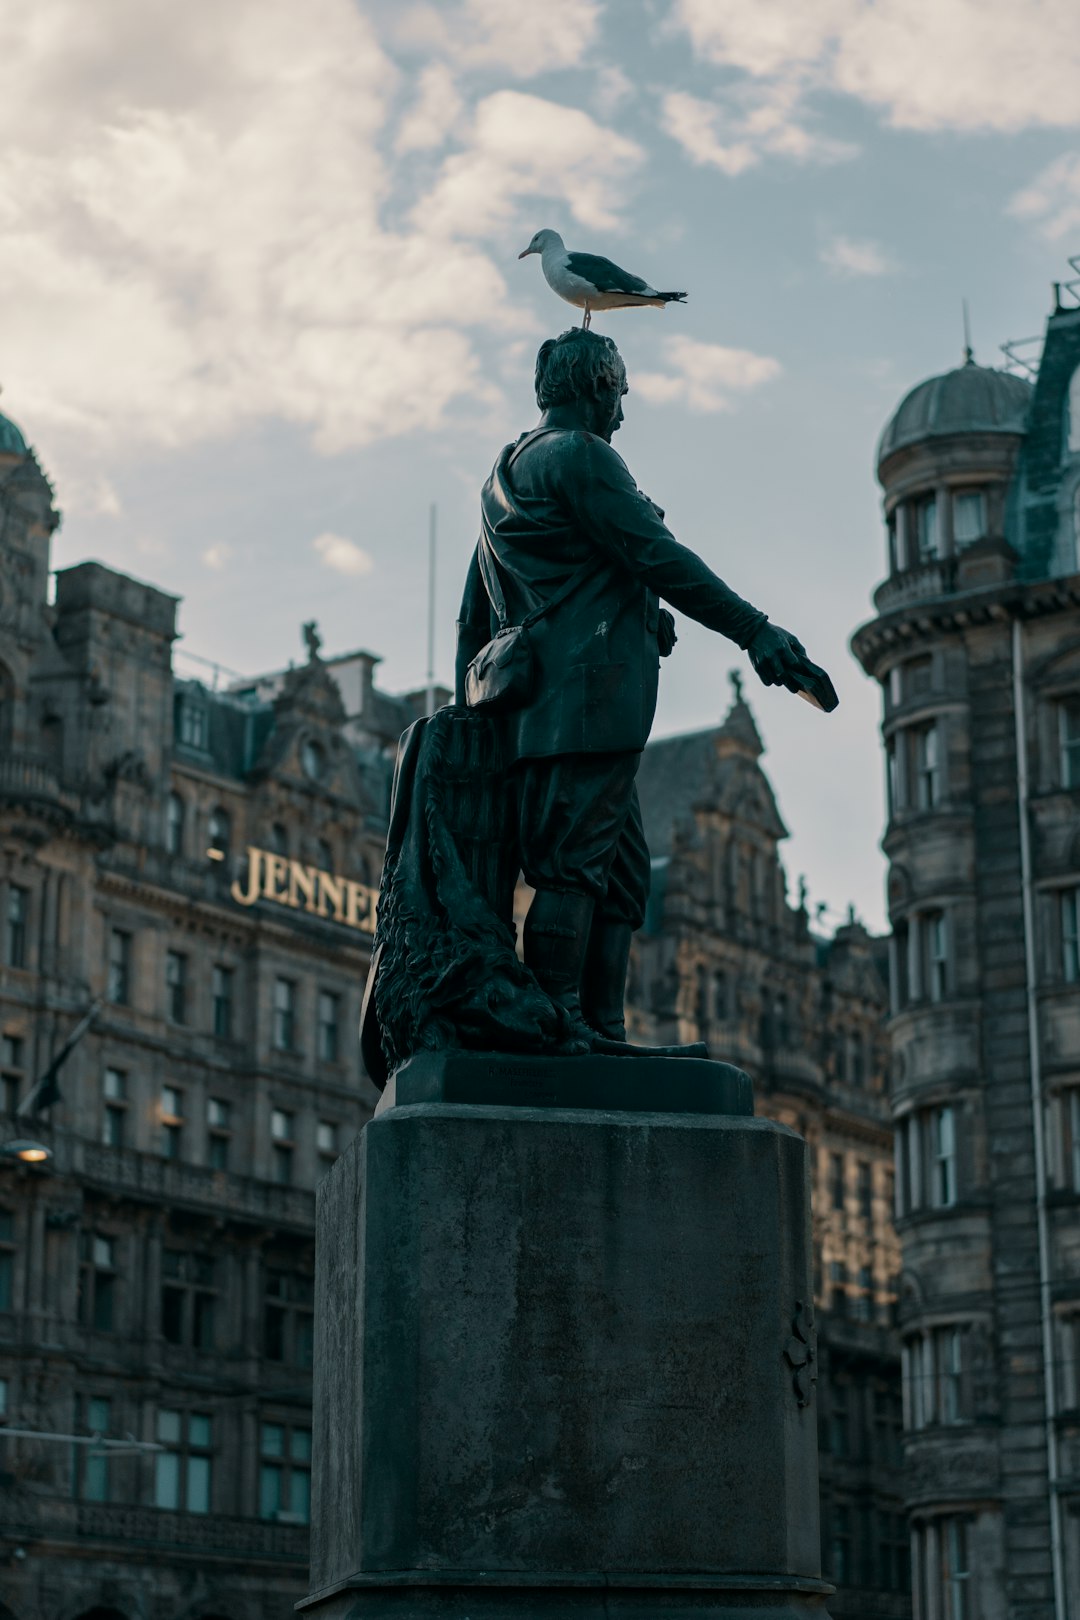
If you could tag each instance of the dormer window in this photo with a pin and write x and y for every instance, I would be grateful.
(190, 720)
(926, 528)
(969, 517)
(313, 759)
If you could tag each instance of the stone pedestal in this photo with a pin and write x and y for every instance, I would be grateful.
(564, 1366)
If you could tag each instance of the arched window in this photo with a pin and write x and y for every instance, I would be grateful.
(324, 857)
(174, 824)
(219, 833)
(279, 838)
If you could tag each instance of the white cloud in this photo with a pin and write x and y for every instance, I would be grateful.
(613, 89)
(434, 114)
(199, 230)
(1052, 199)
(521, 145)
(342, 556)
(846, 256)
(704, 376)
(519, 40)
(215, 557)
(927, 64)
(750, 124)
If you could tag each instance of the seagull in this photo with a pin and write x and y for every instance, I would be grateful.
(591, 282)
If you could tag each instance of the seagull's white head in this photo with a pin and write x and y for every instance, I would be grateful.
(540, 241)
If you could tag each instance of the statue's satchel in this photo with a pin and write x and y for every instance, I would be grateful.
(503, 674)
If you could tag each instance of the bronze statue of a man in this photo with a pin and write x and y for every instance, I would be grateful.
(574, 560)
(560, 499)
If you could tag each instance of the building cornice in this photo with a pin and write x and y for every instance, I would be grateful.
(957, 611)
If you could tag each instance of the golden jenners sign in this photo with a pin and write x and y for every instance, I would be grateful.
(306, 888)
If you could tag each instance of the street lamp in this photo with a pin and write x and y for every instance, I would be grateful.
(25, 1150)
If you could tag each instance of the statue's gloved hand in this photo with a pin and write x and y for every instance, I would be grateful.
(665, 633)
(774, 653)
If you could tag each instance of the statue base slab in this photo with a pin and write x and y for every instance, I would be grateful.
(564, 1365)
(684, 1085)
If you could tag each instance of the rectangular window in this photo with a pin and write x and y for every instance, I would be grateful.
(955, 1569)
(1070, 935)
(927, 529)
(191, 722)
(936, 955)
(11, 1072)
(285, 1015)
(1074, 1138)
(172, 1122)
(7, 1260)
(864, 1300)
(285, 1473)
(182, 1480)
(95, 1472)
(222, 993)
(840, 1420)
(948, 1350)
(943, 1150)
(287, 1318)
(840, 1544)
(114, 1090)
(97, 1282)
(119, 976)
(329, 1024)
(188, 1299)
(836, 1180)
(969, 517)
(176, 986)
(918, 678)
(866, 1190)
(17, 913)
(894, 801)
(219, 1132)
(899, 962)
(326, 1138)
(1069, 734)
(838, 1296)
(281, 1131)
(926, 762)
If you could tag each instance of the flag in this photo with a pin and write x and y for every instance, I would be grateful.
(46, 1091)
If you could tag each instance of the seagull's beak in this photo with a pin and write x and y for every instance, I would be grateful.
(526, 253)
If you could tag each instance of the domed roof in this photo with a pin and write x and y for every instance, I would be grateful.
(12, 442)
(971, 399)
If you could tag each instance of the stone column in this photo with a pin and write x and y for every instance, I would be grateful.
(564, 1365)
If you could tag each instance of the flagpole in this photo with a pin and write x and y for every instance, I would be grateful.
(433, 516)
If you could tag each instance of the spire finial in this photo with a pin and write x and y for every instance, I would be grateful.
(969, 353)
(735, 677)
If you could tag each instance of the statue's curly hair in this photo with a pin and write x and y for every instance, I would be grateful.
(579, 364)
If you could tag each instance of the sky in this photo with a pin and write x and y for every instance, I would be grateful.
(262, 303)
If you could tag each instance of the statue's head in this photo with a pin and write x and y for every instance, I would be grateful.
(585, 369)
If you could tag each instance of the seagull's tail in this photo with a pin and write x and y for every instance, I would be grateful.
(672, 298)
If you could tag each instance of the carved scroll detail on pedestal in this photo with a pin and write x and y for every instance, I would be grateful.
(800, 1354)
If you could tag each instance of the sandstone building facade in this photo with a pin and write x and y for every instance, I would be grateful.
(976, 646)
(198, 868)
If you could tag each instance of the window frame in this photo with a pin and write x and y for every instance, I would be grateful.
(184, 1451)
(284, 1025)
(17, 927)
(118, 967)
(286, 1467)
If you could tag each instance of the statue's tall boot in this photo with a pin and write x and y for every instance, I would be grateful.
(603, 986)
(556, 939)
